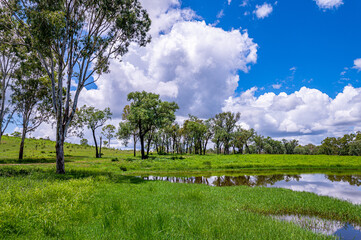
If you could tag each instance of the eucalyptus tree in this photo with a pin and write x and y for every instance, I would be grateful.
(208, 134)
(290, 145)
(259, 143)
(126, 130)
(75, 40)
(108, 131)
(94, 118)
(224, 126)
(30, 96)
(8, 64)
(147, 111)
(197, 131)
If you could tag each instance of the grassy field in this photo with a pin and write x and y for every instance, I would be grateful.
(97, 199)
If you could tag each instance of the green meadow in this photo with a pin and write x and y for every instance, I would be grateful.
(102, 198)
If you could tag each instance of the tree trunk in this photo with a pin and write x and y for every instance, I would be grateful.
(60, 137)
(142, 146)
(205, 147)
(96, 144)
(21, 151)
(135, 144)
(247, 148)
(148, 144)
(100, 147)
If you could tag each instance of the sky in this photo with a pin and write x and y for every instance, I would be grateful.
(291, 68)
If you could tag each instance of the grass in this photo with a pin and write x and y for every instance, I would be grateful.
(84, 205)
(99, 199)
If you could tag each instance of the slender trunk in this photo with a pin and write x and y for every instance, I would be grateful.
(141, 137)
(22, 143)
(247, 148)
(134, 145)
(60, 165)
(205, 147)
(148, 144)
(100, 147)
(200, 147)
(96, 144)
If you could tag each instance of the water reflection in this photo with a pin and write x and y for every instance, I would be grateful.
(341, 230)
(346, 187)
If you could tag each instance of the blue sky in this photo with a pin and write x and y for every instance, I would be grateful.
(319, 43)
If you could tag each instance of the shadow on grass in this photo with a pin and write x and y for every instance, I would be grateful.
(30, 160)
(49, 174)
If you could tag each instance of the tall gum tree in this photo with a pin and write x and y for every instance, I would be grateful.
(94, 119)
(8, 65)
(30, 96)
(75, 39)
(147, 111)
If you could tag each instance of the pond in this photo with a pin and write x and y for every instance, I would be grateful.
(345, 187)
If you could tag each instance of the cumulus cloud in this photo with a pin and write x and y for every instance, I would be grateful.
(357, 64)
(328, 4)
(188, 61)
(307, 114)
(276, 86)
(263, 11)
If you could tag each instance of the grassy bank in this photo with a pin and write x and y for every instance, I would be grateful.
(43, 151)
(103, 205)
(99, 199)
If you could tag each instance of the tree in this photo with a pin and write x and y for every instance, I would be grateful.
(84, 142)
(329, 146)
(108, 132)
(290, 145)
(75, 39)
(30, 96)
(94, 119)
(147, 111)
(125, 131)
(259, 143)
(8, 65)
(224, 125)
(197, 131)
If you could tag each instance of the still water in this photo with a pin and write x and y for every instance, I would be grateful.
(345, 187)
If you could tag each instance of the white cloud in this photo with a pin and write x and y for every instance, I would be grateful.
(328, 4)
(357, 64)
(276, 86)
(244, 3)
(307, 114)
(229, 2)
(263, 11)
(189, 62)
(220, 14)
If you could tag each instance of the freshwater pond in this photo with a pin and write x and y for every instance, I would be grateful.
(345, 187)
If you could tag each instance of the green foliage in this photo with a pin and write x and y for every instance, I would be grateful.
(108, 131)
(84, 142)
(93, 118)
(16, 134)
(147, 112)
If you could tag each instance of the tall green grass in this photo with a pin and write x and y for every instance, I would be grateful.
(84, 205)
